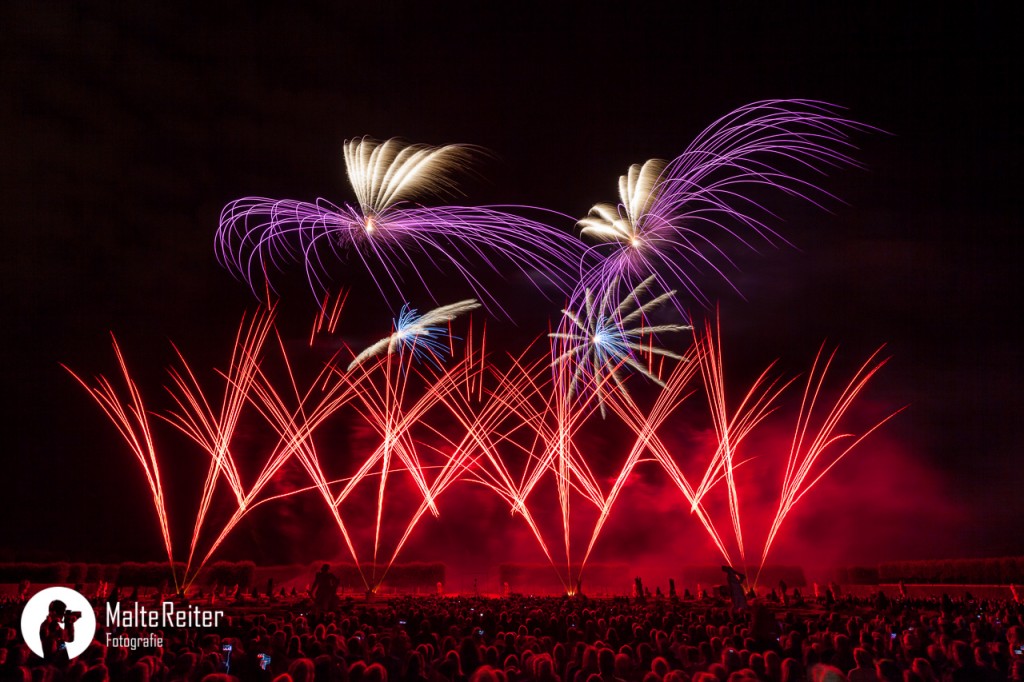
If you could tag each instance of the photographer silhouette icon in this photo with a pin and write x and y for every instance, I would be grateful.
(58, 623)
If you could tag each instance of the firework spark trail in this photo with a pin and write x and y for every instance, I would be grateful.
(279, 458)
(313, 487)
(382, 173)
(637, 190)
(503, 413)
(448, 239)
(384, 411)
(477, 429)
(329, 318)
(383, 404)
(537, 400)
(130, 418)
(214, 432)
(731, 431)
(645, 427)
(320, 402)
(479, 421)
(295, 427)
(388, 413)
(507, 408)
(600, 338)
(525, 394)
(560, 455)
(197, 420)
(388, 234)
(808, 445)
(670, 213)
(451, 472)
(590, 349)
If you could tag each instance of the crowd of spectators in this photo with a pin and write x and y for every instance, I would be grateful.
(534, 639)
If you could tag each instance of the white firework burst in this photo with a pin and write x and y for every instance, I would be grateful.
(637, 190)
(422, 335)
(596, 345)
(383, 174)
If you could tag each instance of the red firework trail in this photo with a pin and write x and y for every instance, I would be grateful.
(383, 392)
(545, 404)
(130, 418)
(246, 381)
(502, 414)
(440, 423)
(384, 402)
(645, 425)
(730, 430)
(295, 425)
(214, 431)
(810, 444)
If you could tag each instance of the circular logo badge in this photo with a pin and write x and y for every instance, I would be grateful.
(58, 618)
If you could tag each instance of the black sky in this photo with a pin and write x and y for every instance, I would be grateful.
(126, 130)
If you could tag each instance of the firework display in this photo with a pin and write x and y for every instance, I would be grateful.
(435, 408)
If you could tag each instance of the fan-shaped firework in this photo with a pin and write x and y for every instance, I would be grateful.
(396, 241)
(637, 189)
(607, 336)
(131, 418)
(420, 335)
(385, 173)
(672, 216)
(815, 435)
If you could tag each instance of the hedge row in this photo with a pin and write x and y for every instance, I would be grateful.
(1002, 571)
(241, 573)
(223, 573)
(407, 576)
(711, 575)
(128, 574)
(857, 575)
(36, 573)
(543, 578)
(415, 575)
(999, 571)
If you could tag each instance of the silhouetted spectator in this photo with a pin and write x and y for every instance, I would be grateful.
(827, 673)
(325, 588)
(887, 671)
(792, 671)
(864, 668)
(734, 580)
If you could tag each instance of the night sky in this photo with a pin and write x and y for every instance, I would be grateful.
(126, 131)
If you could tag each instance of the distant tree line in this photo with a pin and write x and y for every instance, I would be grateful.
(425, 576)
(996, 571)
(244, 574)
(770, 576)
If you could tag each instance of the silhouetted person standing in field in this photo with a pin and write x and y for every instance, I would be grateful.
(735, 580)
(325, 587)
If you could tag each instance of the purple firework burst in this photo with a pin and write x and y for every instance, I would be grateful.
(673, 215)
(397, 241)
